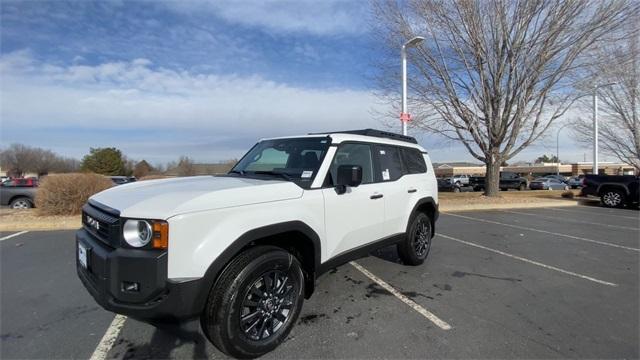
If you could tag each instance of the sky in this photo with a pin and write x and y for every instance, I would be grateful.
(205, 79)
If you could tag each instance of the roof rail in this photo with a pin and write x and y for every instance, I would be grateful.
(374, 133)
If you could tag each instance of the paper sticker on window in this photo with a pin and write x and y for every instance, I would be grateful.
(385, 175)
(382, 152)
(306, 174)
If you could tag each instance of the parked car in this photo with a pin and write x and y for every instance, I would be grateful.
(614, 191)
(557, 177)
(119, 180)
(460, 180)
(508, 180)
(18, 193)
(445, 184)
(547, 183)
(575, 182)
(246, 248)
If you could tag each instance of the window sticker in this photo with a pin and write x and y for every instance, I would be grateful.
(385, 175)
(382, 152)
(306, 174)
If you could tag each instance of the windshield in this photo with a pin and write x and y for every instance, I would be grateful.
(294, 159)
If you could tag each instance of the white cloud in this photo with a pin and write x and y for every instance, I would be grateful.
(327, 17)
(132, 95)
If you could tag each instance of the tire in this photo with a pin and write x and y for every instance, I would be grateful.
(456, 189)
(21, 203)
(254, 303)
(414, 249)
(522, 187)
(612, 198)
(458, 183)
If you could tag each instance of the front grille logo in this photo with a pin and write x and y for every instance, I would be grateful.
(93, 222)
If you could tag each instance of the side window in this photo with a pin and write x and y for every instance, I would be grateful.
(414, 162)
(353, 154)
(390, 162)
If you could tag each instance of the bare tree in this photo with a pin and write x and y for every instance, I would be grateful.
(185, 166)
(619, 105)
(18, 159)
(493, 74)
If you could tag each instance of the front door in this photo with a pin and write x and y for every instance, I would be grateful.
(356, 217)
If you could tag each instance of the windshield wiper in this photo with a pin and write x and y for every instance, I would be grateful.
(282, 175)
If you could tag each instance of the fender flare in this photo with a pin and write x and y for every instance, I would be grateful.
(421, 202)
(219, 264)
(622, 187)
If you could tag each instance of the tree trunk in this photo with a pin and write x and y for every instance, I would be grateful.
(492, 178)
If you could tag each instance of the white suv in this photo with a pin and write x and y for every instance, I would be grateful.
(242, 250)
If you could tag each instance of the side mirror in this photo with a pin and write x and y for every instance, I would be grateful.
(348, 175)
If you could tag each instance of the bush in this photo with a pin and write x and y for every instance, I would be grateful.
(153, 177)
(65, 194)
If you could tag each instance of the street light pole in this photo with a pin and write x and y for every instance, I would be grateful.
(595, 126)
(404, 115)
(558, 148)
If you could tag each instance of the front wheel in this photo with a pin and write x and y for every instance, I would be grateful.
(21, 203)
(612, 198)
(413, 250)
(255, 302)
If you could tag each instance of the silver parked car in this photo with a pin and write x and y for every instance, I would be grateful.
(575, 182)
(548, 184)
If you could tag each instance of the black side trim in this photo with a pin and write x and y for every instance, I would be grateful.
(359, 252)
(247, 238)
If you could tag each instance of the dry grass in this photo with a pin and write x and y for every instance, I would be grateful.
(30, 219)
(65, 194)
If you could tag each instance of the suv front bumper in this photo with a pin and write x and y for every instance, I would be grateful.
(109, 270)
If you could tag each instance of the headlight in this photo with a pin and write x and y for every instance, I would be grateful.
(137, 233)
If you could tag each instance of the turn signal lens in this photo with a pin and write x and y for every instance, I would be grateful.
(160, 235)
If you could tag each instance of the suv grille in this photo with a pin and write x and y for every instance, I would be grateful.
(101, 224)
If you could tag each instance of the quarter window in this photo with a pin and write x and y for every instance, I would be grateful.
(414, 161)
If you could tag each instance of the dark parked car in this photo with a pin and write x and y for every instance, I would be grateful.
(508, 180)
(614, 191)
(445, 184)
(18, 193)
(119, 180)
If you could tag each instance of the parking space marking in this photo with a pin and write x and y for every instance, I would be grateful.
(13, 235)
(549, 267)
(571, 220)
(109, 338)
(545, 232)
(422, 311)
(594, 213)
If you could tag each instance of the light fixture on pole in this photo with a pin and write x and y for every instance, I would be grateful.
(404, 115)
(558, 148)
(595, 126)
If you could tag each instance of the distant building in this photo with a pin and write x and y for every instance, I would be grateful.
(580, 168)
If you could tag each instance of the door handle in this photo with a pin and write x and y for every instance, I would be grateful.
(375, 196)
(411, 191)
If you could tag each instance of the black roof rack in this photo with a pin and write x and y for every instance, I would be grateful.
(374, 133)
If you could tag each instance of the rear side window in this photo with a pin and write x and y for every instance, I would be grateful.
(414, 161)
(390, 162)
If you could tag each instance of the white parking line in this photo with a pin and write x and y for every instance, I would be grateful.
(422, 311)
(545, 232)
(549, 267)
(13, 235)
(572, 220)
(594, 213)
(109, 338)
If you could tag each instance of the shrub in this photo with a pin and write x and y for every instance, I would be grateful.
(65, 194)
(153, 177)
(568, 194)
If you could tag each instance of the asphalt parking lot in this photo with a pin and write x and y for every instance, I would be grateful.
(534, 283)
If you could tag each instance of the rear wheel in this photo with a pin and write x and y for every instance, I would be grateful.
(254, 303)
(612, 198)
(414, 249)
(21, 203)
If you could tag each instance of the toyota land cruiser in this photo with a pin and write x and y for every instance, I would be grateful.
(241, 251)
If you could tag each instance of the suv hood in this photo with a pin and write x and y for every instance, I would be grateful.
(162, 199)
